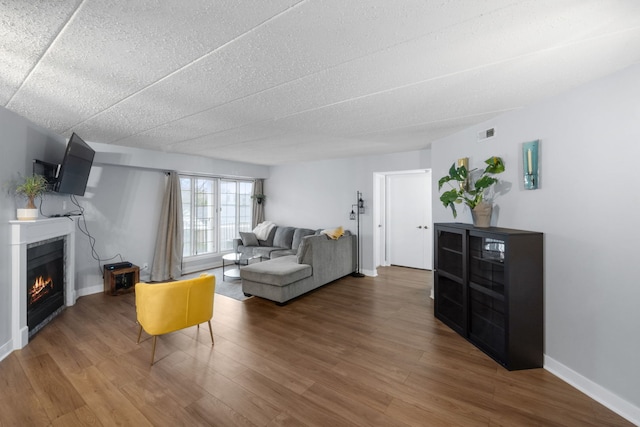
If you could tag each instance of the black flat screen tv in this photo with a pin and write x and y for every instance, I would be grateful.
(75, 167)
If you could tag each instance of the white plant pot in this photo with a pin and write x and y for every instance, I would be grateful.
(27, 214)
(481, 215)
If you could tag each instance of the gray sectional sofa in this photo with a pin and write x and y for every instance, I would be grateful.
(316, 260)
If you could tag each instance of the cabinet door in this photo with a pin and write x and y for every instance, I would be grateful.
(449, 278)
(487, 302)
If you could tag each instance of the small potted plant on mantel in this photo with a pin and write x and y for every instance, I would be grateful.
(31, 187)
(471, 193)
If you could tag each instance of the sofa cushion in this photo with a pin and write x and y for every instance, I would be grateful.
(269, 239)
(298, 235)
(278, 272)
(303, 256)
(248, 239)
(281, 252)
(264, 251)
(283, 237)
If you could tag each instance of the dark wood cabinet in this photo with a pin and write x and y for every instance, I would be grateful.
(121, 281)
(489, 289)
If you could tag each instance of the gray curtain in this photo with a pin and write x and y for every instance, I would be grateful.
(167, 261)
(258, 208)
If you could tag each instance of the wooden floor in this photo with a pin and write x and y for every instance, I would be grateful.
(360, 351)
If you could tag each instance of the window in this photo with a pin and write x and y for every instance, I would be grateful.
(214, 211)
(236, 210)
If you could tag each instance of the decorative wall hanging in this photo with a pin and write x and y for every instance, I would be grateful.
(530, 164)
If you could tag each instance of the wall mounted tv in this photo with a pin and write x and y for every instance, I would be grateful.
(75, 167)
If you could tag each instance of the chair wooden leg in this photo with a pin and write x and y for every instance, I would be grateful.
(139, 335)
(153, 349)
(210, 331)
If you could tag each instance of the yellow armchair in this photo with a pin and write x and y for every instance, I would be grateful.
(167, 307)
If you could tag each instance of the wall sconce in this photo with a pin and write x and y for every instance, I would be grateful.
(464, 161)
(530, 164)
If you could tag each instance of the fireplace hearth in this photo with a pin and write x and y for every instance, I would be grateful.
(45, 282)
(42, 274)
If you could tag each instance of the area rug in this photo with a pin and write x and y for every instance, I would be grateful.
(231, 288)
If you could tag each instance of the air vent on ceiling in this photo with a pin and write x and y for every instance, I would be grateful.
(486, 134)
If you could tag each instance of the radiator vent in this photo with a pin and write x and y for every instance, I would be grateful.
(486, 134)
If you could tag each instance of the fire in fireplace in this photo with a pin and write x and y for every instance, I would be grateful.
(45, 282)
(40, 289)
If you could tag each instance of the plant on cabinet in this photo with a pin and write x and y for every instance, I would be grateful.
(471, 193)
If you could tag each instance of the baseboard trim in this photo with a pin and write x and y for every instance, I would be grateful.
(6, 350)
(595, 391)
(89, 291)
(371, 273)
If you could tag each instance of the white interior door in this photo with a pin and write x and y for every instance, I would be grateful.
(409, 220)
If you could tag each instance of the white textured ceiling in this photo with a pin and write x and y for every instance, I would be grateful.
(280, 81)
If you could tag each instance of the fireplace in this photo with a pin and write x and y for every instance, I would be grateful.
(42, 274)
(45, 282)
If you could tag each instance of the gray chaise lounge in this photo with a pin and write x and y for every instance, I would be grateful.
(318, 261)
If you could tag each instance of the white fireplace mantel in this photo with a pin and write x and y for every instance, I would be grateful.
(22, 234)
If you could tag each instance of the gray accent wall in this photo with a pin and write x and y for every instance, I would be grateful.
(587, 207)
(20, 142)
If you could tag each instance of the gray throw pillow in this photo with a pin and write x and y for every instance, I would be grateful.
(248, 239)
(302, 251)
(298, 235)
(283, 237)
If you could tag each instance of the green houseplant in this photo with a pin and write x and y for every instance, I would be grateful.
(31, 187)
(470, 193)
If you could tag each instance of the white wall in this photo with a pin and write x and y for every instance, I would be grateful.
(320, 194)
(122, 215)
(586, 206)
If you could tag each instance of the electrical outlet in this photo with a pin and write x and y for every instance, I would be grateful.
(145, 266)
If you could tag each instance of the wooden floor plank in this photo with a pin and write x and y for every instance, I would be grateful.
(360, 351)
(51, 386)
(306, 410)
(81, 417)
(413, 415)
(22, 409)
(111, 406)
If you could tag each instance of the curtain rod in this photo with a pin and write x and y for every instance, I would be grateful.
(166, 171)
(205, 175)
